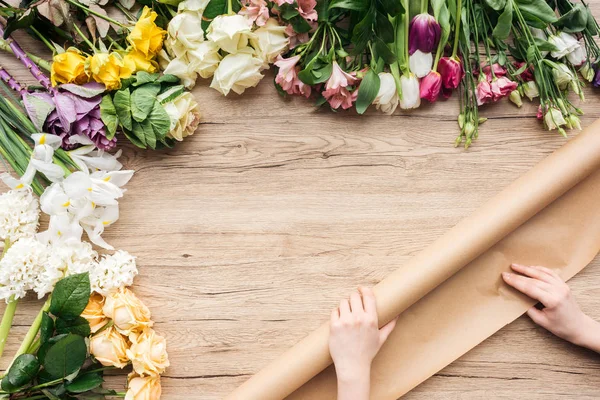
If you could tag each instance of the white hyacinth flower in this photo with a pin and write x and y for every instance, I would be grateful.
(19, 215)
(113, 272)
(22, 268)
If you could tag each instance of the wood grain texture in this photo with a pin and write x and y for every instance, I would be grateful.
(250, 231)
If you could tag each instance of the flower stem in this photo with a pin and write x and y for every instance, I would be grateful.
(43, 39)
(229, 7)
(97, 14)
(424, 6)
(124, 11)
(10, 81)
(38, 60)
(84, 38)
(457, 29)
(33, 331)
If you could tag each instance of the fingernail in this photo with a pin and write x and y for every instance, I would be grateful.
(506, 275)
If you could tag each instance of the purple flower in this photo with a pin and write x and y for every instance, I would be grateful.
(424, 34)
(596, 81)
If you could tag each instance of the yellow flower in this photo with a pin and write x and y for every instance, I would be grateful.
(143, 388)
(93, 312)
(148, 353)
(109, 348)
(146, 37)
(69, 67)
(128, 313)
(139, 62)
(109, 69)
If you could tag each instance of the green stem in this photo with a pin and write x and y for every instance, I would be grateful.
(84, 38)
(457, 29)
(124, 11)
(38, 60)
(114, 43)
(43, 39)
(229, 7)
(33, 331)
(97, 14)
(9, 312)
(424, 6)
(34, 346)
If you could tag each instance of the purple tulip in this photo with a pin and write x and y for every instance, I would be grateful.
(596, 81)
(424, 34)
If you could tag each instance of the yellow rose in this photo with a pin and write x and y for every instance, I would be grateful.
(109, 69)
(143, 388)
(109, 347)
(146, 37)
(128, 313)
(139, 62)
(69, 67)
(93, 312)
(148, 353)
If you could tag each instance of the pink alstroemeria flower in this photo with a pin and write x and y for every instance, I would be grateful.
(336, 89)
(256, 11)
(282, 2)
(287, 76)
(306, 8)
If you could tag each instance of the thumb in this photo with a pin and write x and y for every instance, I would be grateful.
(538, 316)
(385, 331)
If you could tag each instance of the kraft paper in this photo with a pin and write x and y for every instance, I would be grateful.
(450, 297)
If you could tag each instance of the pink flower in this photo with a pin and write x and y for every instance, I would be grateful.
(287, 76)
(340, 97)
(256, 11)
(431, 85)
(295, 38)
(501, 87)
(307, 9)
(484, 92)
(540, 113)
(498, 69)
(527, 75)
(282, 2)
(424, 34)
(339, 78)
(452, 72)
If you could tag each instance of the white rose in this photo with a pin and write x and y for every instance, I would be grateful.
(193, 5)
(184, 32)
(387, 98)
(270, 40)
(184, 114)
(237, 72)
(230, 32)
(204, 58)
(180, 67)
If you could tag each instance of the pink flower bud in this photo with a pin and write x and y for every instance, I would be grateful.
(502, 87)
(424, 34)
(484, 92)
(452, 72)
(431, 85)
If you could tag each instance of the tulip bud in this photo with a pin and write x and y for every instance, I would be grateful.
(431, 86)
(420, 63)
(410, 92)
(424, 34)
(515, 97)
(451, 70)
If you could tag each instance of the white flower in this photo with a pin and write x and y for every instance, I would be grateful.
(89, 158)
(193, 5)
(21, 268)
(204, 59)
(237, 72)
(113, 272)
(553, 118)
(67, 258)
(184, 33)
(181, 68)
(387, 98)
(530, 89)
(230, 32)
(95, 223)
(61, 228)
(185, 116)
(270, 40)
(420, 63)
(19, 215)
(42, 159)
(540, 34)
(411, 97)
(565, 44)
(562, 76)
(578, 56)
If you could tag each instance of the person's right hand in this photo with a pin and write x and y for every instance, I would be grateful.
(561, 314)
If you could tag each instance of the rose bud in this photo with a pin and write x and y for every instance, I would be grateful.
(93, 312)
(451, 70)
(424, 34)
(431, 86)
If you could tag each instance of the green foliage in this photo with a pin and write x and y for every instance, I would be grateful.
(502, 29)
(66, 356)
(574, 20)
(70, 296)
(536, 10)
(84, 383)
(79, 326)
(367, 91)
(22, 372)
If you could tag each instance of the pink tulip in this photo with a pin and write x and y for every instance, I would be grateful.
(484, 92)
(424, 34)
(452, 72)
(431, 85)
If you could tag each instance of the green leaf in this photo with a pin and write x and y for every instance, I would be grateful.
(323, 73)
(108, 114)
(538, 9)
(46, 328)
(363, 31)
(502, 28)
(288, 11)
(130, 135)
(592, 25)
(367, 91)
(384, 28)
(392, 7)
(497, 4)
(384, 51)
(79, 326)
(300, 25)
(70, 297)
(139, 133)
(21, 21)
(171, 94)
(83, 383)
(122, 103)
(168, 78)
(160, 121)
(65, 356)
(574, 20)
(442, 15)
(149, 135)
(142, 101)
(41, 354)
(143, 77)
(23, 371)
(355, 5)
(38, 109)
(83, 91)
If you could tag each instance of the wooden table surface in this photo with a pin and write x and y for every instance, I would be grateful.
(250, 231)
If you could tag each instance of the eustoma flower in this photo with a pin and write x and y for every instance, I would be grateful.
(336, 90)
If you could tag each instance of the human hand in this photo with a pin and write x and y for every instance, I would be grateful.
(355, 336)
(561, 314)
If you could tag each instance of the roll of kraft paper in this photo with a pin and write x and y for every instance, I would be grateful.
(450, 296)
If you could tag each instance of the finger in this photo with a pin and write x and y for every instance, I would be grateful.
(385, 331)
(335, 316)
(344, 309)
(538, 316)
(530, 287)
(368, 298)
(533, 272)
(550, 272)
(356, 303)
